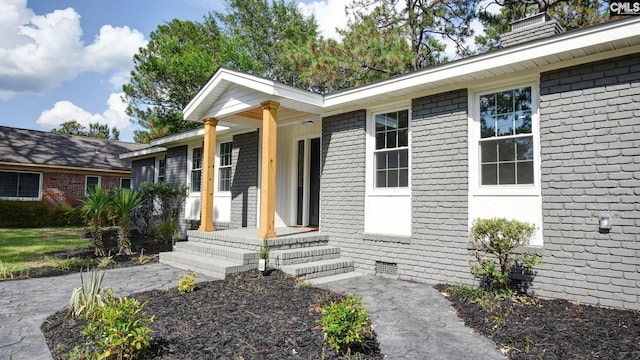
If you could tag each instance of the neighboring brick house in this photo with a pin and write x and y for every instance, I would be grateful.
(546, 131)
(57, 169)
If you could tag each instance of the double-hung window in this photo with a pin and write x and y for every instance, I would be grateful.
(224, 182)
(19, 185)
(91, 182)
(162, 169)
(506, 141)
(196, 170)
(391, 154)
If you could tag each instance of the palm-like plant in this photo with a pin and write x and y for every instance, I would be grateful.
(95, 203)
(125, 201)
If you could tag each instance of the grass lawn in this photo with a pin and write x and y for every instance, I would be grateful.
(22, 249)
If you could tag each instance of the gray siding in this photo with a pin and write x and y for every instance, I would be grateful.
(142, 170)
(439, 178)
(176, 172)
(244, 183)
(342, 184)
(590, 152)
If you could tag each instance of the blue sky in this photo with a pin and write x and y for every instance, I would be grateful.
(66, 60)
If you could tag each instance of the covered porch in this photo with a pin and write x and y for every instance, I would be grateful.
(288, 122)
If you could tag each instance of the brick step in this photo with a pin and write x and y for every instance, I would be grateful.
(209, 265)
(231, 238)
(242, 256)
(319, 268)
(279, 258)
(337, 277)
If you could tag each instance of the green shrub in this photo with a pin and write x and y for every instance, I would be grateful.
(23, 214)
(89, 297)
(187, 283)
(345, 324)
(494, 243)
(120, 330)
(161, 208)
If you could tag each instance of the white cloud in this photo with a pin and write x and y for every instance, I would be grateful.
(64, 111)
(330, 14)
(39, 52)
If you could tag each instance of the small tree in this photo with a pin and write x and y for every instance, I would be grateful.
(494, 242)
(162, 204)
(93, 207)
(125, 201)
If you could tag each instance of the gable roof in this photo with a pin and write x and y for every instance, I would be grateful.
(45, 149)
(231, 96)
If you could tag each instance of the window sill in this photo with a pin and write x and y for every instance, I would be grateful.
(387, 238)
(507, 191)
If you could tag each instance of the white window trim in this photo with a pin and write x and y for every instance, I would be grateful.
(475, 187)
(86, 178)
(40, 175)
(190, 167)
(130, 183)
(372, 190)
(219, 163)
(156, 172)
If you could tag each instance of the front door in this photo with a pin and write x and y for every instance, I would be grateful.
(308, 182)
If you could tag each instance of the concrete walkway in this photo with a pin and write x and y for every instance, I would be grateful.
(412, 321)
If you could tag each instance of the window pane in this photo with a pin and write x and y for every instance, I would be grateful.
(524, 148)
(525, 172)
(381, 160)
(403, 119)
(523, 122)
(505, 125)
(489, 174)
(487, 104)
(507, 173)
(125, 183)
(403, 137)
(504, 102)
(404, 158)
(506, 150)
(380, 123)
(392, 157)
(195, 181)
(380, 140)
(8, 184)
(391, 139)
(488, 150)
(392, 178)
(522, 99)
(91, 182)
(404, 178)
(29, 185)
(392, 121)
(487, 126)
(197, 158)
(381, 178)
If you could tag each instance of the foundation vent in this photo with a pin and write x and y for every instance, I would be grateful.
(385, 268)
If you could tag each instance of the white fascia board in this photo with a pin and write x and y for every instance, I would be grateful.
(252, 84)
(142, 152)
(563, 43)
(187, 135)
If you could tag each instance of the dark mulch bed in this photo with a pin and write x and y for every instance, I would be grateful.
(553, 329)
(149, 246)
(246, 316)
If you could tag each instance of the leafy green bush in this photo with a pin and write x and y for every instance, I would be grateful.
(23, 214)
(345, 324)
(161, 208)
(89, 297)
(120, 330)
(187, 283)
(494, 242)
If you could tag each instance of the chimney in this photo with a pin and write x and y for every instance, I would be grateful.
(534, 27)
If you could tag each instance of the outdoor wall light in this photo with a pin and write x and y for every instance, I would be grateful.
(605, 222)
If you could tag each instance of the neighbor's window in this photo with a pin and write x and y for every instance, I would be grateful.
(125, 183)
(196, 170)
(506, 137)
(391, 154)
(224, 183)
(162, 169)
(91, 182)
(19, 185)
